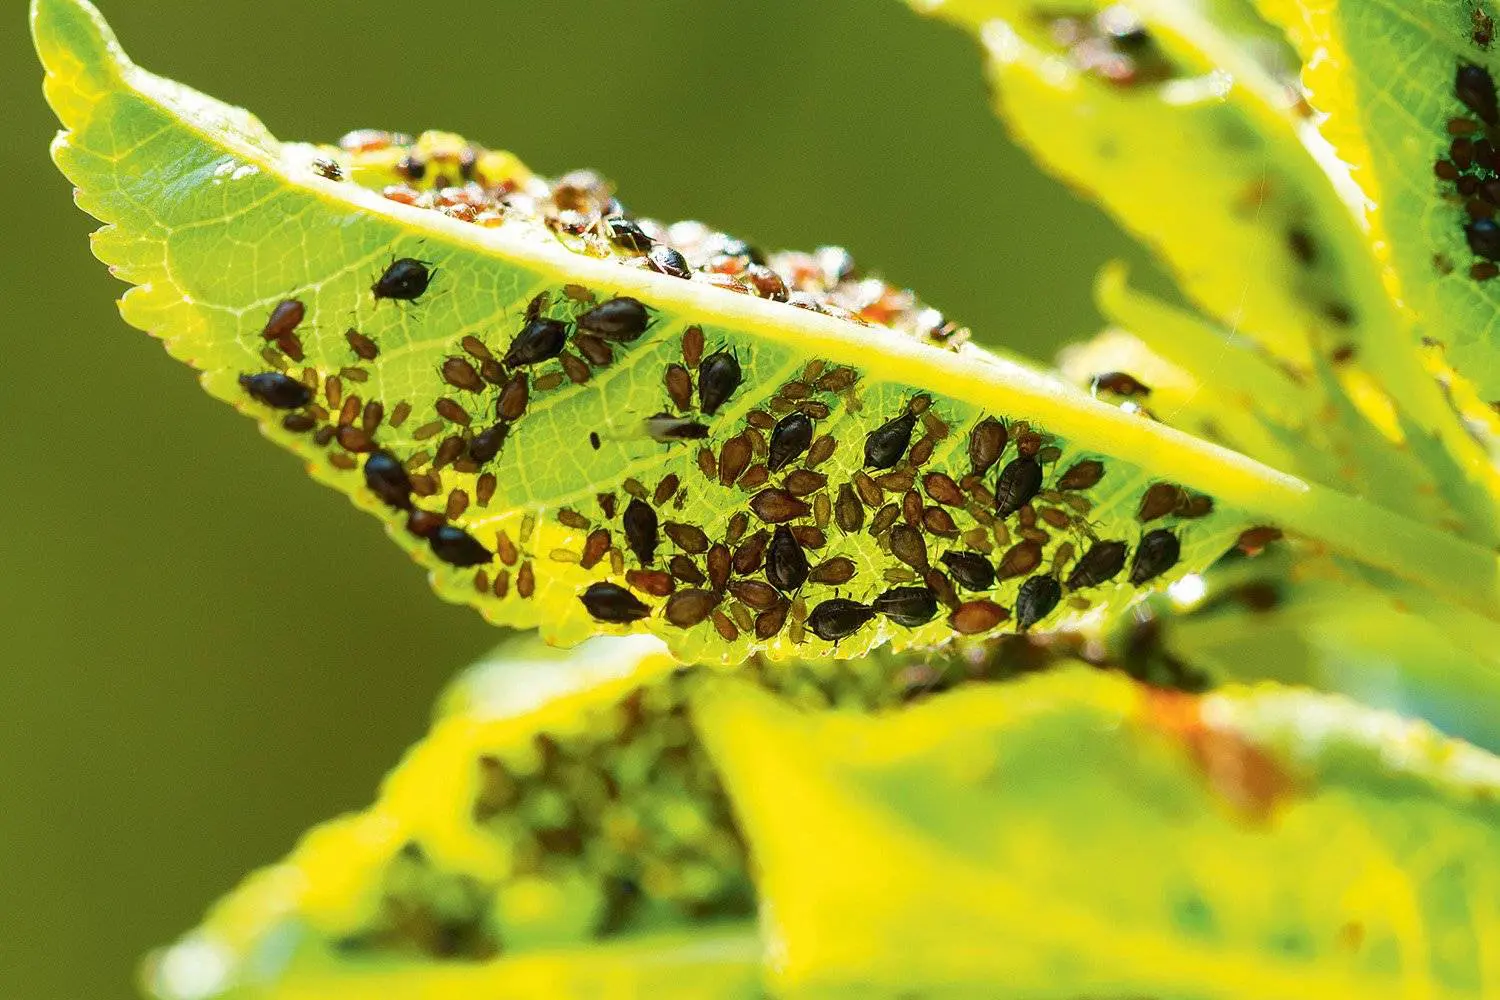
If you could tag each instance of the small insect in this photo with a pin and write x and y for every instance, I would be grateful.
(687, 608)
(1474, 86)
(789, 439)
(1035, 600)
(974, 617)
(405, 280)
(839, 618)
(665, 260)
(1483, 236)
(1119, 383)
(619, 319)
(986, 444)
(885, 445)
(1082, 476)
(776, 506)
(276, 390)
(972, 570)
(363, 347)
(909, 606)
(1156, 554)
(327, 169)
(679, 386)
(908, 545)
(786, 563)
(457, 547)
(1160, 500)
(387, 479)
(627, 235)
(487, 443)
(641, 534)
(664, 428)
(1019, 482)
(461, 375)
(285, 318)
(541, 339)
(612, 603)
(718, 377)
(1099, 564)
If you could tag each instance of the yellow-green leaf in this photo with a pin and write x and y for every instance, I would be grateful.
(220, 226)
(1078, 835)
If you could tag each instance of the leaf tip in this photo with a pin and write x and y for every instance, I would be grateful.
(75, 43)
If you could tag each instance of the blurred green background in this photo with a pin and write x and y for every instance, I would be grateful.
(164, 733)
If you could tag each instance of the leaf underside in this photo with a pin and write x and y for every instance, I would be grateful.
(220, 226)
(565, 800)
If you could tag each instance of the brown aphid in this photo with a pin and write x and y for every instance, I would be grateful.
(1195, 505)
(1049, 454)
(985, 445)
(550, 381)
(1028, 443)
(354, 439)
(835, 571)
(1056, 518)
(943, 489)
(451, 411)
(452, 447)
(370, 417)
(285, 317)
(363, 347)
(679, 386)
(757, 595)
(423, 523)
(1160, 500)
(837, 380)
(821, 451)
(726, 628)
(867, 490)
(801, 482)
(895, 482)
(594, 350)
(341, 461)
(734, 458)
(484, 489)
(476, 348)
(1082, 475)
(688, 608)
(298, 423)
(400, 413)
(921, 451)
(687, 537)
(754, 478)
(815, 409)
(651, 581)
(974, 617)
(1099, 565)
(274, 358)
(809, 536)
(333, 392)
(911, 508)
(486, 444)
(739, 523)
(502, 583)
(760, 420)
(939, 522)
(884, 518)
(1252, 541)
(751, 553)
(323, 436)
(770, 622)
(822, 510)
(795, 390)
(291, 345)
(665, 489)
(350, 411)
(458, 373)
(1019, 559)
(351, 373)
(708, 464)
(1483, 270)
(525, 581)
(909, 545)
(612, 603)
(720, 564)
(572, 519)
(574, 367)
(506, 549)
(594, 548)
(458, 502)
(692, 346)
(848, 511)
(513, 397)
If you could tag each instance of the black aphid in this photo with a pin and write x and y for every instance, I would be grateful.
(277, 390)
(1156, 554)
(1476, 88)
(627, 235)
(457, 547)
(885, 445)
(718, 377)
(541, 339)
(790, 438)
(909, 606)
(972, 570)
(1484, 238)
(1019, 481)
(665, 428)
(786, 563)
(488, 442)
(387, 479)
(1098, 565)
(621, 318)
(406, 280)
(610, 602)
(669, 262)
(641, 532)
(839, 618)
(1035, 600)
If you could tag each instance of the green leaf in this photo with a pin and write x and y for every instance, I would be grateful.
(1385, 72)
(218, 224)
(1075, 834)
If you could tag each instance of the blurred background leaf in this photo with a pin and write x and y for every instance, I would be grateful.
(164, 735)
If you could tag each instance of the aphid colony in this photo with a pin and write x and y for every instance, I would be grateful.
(446, 174)
(955, 514)
(1469, 169)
